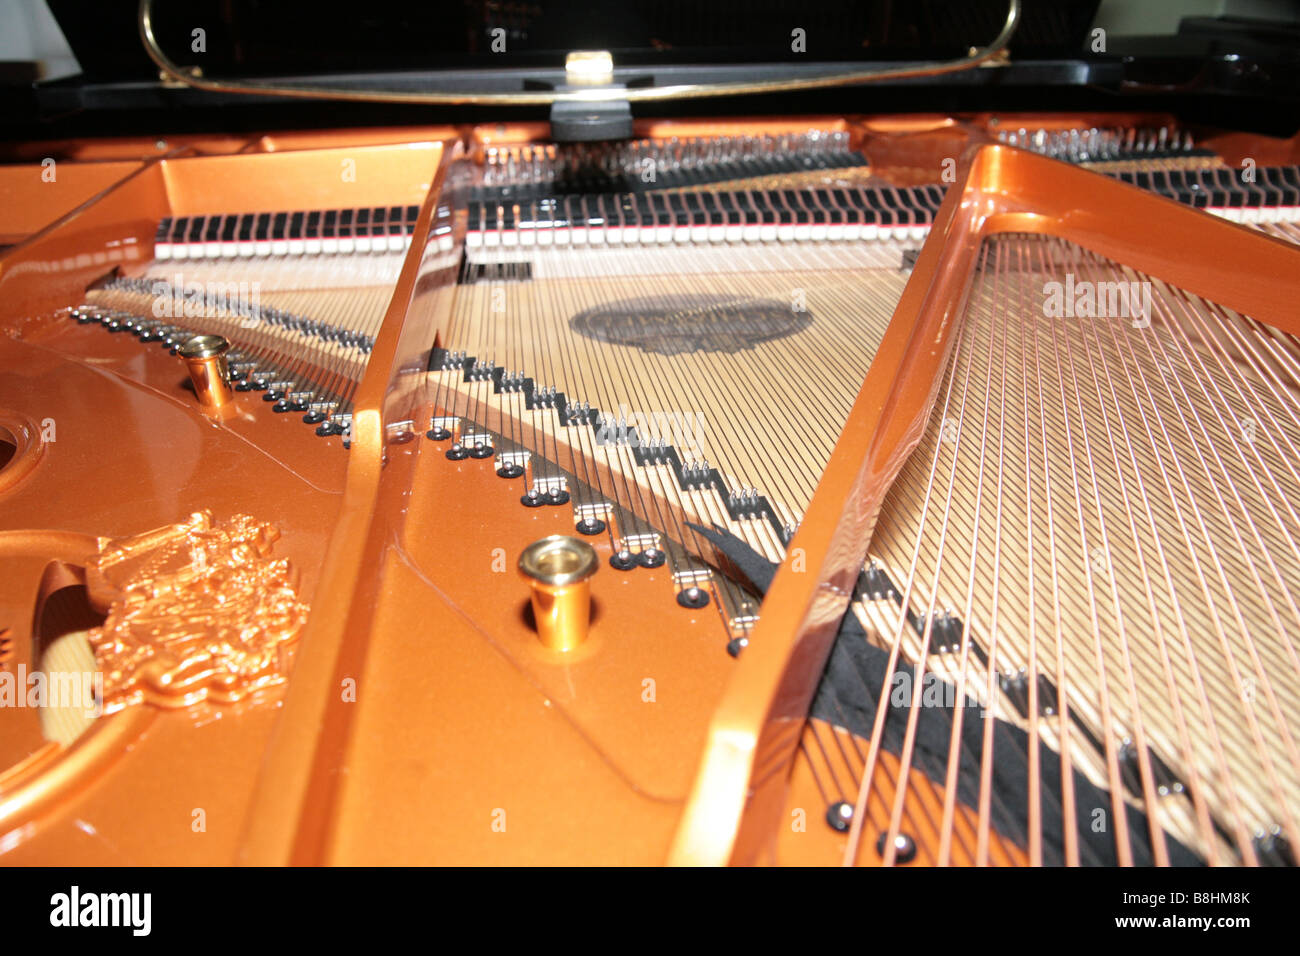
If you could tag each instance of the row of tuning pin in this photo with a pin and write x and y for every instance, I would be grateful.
(1100, 145)
(547, 163)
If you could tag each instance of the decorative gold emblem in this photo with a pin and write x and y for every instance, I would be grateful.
(196, 611)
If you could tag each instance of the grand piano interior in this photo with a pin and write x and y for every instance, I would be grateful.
(505, 433)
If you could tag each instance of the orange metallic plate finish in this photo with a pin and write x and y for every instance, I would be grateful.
(117, 228)
(138, 806)
(126, 450)
(293, 800)
(30, 199)
(598, 685)
(143, 148)
(114, 229)
(310, 179)
(24, 438)
(126, 429)
(1236, 148)
(33, 195)
(461, 712)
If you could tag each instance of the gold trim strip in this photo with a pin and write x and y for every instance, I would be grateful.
(534, 98)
